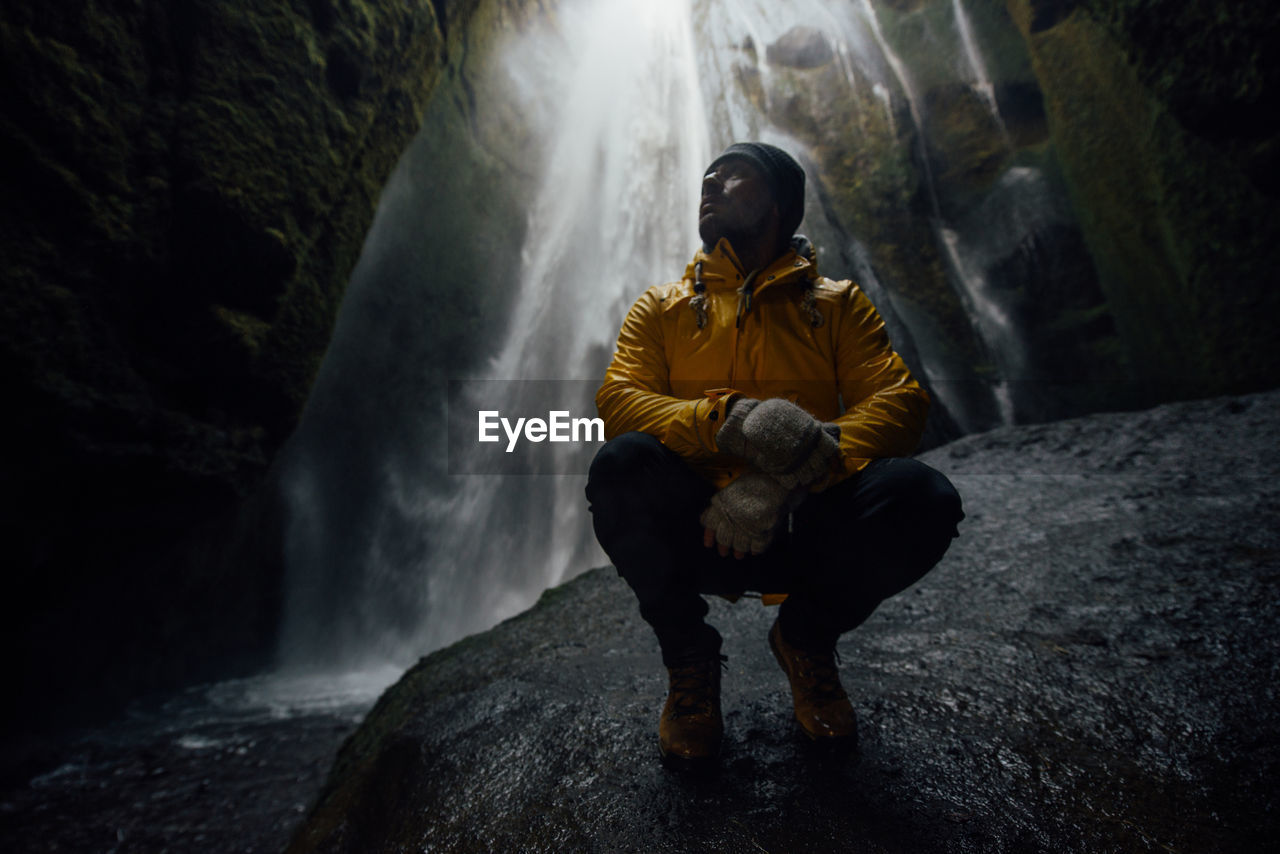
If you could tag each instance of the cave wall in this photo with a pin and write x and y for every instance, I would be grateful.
(187, 187)
(1164, 116)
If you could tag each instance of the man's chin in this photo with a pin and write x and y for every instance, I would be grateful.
(708, 232)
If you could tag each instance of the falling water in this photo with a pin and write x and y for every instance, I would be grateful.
(990, 318)
(993, 322)
(394, 554)
(981, 79)
(430, 552)
(616, 212)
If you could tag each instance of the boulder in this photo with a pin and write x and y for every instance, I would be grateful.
(800, 47)
(1090, 668)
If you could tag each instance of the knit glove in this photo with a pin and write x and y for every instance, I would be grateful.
(745, 513)
(781, 439)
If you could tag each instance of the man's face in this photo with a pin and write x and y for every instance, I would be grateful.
(736, 203)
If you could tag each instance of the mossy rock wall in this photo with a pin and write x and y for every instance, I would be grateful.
(1163, 115)
(912, 153)
(1146, 131)
(188, 185)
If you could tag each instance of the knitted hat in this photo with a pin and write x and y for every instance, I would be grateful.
(781, 172)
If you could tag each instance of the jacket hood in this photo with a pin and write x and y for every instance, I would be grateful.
(721, 268)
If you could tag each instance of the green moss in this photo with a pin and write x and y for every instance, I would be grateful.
(1183, 236)
(248, 329)
(967, 145)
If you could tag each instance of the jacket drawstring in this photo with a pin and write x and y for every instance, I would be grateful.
(744, 297)
(809, 305)
(699, 301)
(808, 302)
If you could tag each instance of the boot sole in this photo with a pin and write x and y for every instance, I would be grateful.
(697, 765)
(833, 747)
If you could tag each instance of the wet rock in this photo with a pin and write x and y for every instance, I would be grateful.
(800, 47)
(1090, 668)
(166, 776)
(1047, 13)
(1151, 118)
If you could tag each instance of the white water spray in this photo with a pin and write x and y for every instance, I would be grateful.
(981, 79)
(616, 213)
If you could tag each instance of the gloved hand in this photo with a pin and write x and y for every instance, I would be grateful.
(781, 439)
(744, 514)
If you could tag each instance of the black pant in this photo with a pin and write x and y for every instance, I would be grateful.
(847, 548)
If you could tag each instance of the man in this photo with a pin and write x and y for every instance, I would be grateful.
(758, 425)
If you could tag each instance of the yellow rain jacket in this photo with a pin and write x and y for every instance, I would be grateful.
(674, 381)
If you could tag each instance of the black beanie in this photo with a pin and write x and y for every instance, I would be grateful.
(783, 175)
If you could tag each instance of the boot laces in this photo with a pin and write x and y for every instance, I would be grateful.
(693, 686)
(821, 673)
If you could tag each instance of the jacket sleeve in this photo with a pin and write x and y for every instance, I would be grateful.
(636, 393)
(885, 408)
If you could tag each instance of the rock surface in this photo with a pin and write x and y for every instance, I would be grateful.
(224, 767)
(800, 47)
(1092, 667)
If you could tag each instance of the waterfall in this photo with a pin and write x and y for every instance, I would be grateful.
(981, 79)
(991, 317)
(438, 545)
(616, 213)
(993, 322)
(404, 532)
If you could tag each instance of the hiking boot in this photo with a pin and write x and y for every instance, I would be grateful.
(822, 707)
(690, 729)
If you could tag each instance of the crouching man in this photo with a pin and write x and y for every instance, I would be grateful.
(759, 425)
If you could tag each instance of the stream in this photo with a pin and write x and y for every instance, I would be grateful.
(226, 767)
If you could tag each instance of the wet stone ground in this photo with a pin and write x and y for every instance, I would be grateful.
(1093, 667)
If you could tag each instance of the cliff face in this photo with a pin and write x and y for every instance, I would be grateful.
(1098, 172)
(1164, 118)
(187, 188)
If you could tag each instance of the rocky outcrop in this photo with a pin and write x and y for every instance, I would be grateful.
(1102, 170)
(1090, 668)
(800, 47)
(187, 188)
(934, 173)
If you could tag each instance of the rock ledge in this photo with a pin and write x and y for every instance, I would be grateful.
(1090, 668)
